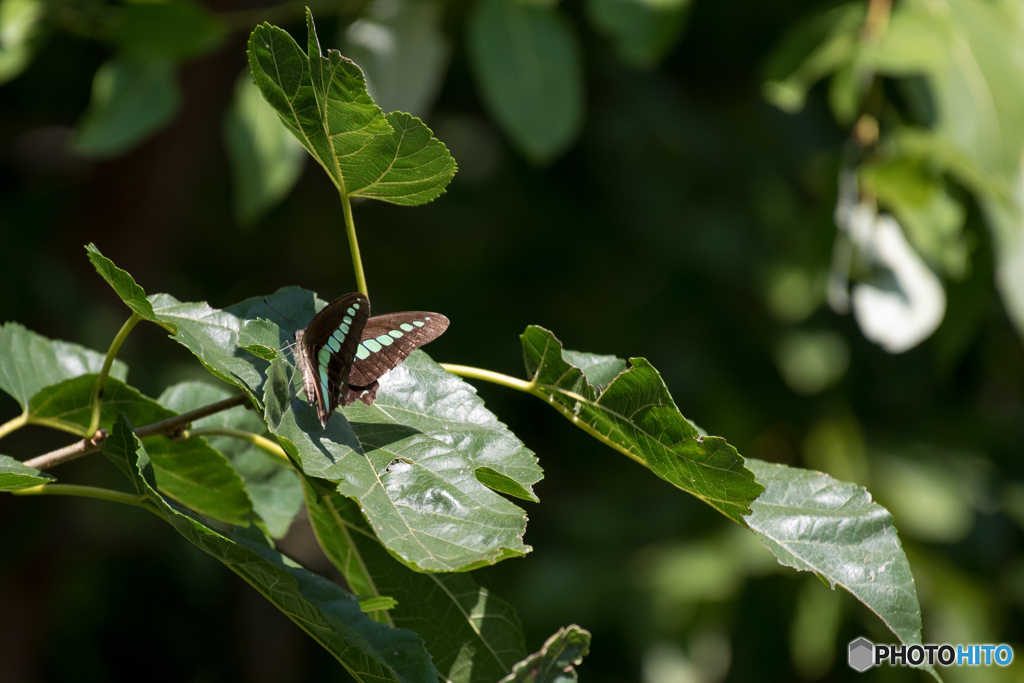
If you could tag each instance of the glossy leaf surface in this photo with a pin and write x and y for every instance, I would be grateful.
(410, 462)
(812, 522)
(636, 414)
(473, 636)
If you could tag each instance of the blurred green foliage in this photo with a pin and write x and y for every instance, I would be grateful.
(623, 181)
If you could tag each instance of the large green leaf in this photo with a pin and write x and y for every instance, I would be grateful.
(402, 51)
(124, 284)
(266, 159)
(528, 67)
(15, 476)
(212, 335)
(636, 414)
(197, 476)
(554, 663)
(324, 103)
(20, 29)
(67, 405)
(417, 487)
(473, 636)
(29, 362)
(644, 31)
(131, 100)
(274, 489)
(368, 650)
(812, 522)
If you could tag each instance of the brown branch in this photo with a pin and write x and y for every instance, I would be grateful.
(169, 427)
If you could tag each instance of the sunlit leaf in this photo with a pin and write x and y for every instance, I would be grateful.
(636, 414)
(369, 651)
(402, 51)
(20, 30)
(173, 30)
(273, 488)
(323, 102)
(418, 488)
(29, 362)
(212, 335)
(131, 100)
(15, 476)
(812, 522)
(643, 31)
(527, 63)
(266, 159)
(124, 284)
(555, 661)
(473, 636)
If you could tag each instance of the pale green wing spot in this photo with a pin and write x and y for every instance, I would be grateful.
(347, 320)
(396, 334)
(334, 344)
(352, 309)
(324, 355)
(323, 381)
(407, 327)
(362, 352)
(338, 336)
(355, 306)
(385, 340)
(417, 323)
(372, 345)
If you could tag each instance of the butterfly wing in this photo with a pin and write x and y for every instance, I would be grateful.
(387, 340)
(326, 349)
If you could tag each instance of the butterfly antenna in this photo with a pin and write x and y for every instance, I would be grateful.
(280, 313)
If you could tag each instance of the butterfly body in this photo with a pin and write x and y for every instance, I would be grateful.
(343, 351)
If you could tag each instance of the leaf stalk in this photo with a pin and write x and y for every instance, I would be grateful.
(82, 491)
(101, 381)
(13, 424)
(353, 245)
(255, 439)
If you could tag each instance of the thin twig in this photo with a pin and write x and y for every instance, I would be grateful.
(169, 427)
(75, 450)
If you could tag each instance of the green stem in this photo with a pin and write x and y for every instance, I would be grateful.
(492, 377)
(546, 393)
(255, 439)
(83, 491)
(353, 245)
(13, 425)
(101, 381)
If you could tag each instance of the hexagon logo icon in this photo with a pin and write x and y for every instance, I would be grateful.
(862, 654)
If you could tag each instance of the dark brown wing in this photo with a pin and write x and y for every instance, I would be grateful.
(388, 340)
(327, 348)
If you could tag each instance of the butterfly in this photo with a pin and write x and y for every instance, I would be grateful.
(343, 351)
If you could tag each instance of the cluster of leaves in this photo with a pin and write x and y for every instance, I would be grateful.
(403, 495)
(525, 54)
(936, 92)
